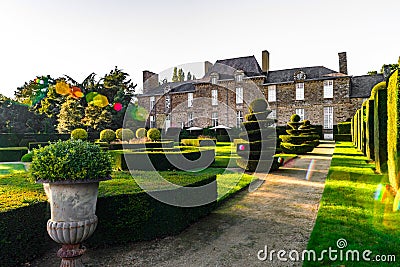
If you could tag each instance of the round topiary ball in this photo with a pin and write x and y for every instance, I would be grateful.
(125, 134)
(141, 133)
(295, 118)
(154, 134)
(107, 135)
(79, 134)
(258, 105)
(306, 123)
(118, 133)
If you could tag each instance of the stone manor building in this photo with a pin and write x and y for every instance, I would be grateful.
(321, 95)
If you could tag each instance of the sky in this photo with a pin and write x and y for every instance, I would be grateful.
(75, 37)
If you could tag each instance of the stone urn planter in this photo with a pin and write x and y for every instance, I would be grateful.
(70, 172)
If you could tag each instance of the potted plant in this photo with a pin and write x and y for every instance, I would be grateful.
(70, 172)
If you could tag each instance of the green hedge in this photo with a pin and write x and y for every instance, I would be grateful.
(33, 145)
(199, 142)
(380, 129)
(393, 133)
(163, 144)
(223, 138)
(343, 137)
(12, 154)
(161, 161)
(369, 130)
(14, 140)
(344, 127)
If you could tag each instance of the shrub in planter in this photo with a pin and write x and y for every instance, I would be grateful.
(79, 134)
(124, 134)
(154, 134)
(141, 133)
(70, 172)
(107, 135)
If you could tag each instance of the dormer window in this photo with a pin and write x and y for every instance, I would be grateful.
(239, 76)
(214, 78)
(299, 76)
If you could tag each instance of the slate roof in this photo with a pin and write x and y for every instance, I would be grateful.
(175, 87)
(226, 67)
(361, 86)
(285, 76)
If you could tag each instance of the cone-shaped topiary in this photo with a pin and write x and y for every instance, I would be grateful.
(301, 139)
(260, 139)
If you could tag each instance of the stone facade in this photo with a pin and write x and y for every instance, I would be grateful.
(319, 109)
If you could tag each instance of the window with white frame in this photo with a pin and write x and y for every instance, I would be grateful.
(272, 115)
(272, 93)
(300, 112)
(152, 121)
(214, 119)
(214, 97)
(167, 103)
(239, 95)
(239, 118)
(239, 77)
(299, 91)
(214, 79)
(328, 117)
(190, 100)
(190, 119)
(152, 102)
(167, 121)
(328, 89)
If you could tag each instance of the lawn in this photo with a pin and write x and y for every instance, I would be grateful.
(225, 155)
(11, 168)
(349, 211)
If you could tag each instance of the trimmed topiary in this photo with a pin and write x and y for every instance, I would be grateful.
(380, 127)
(79, 134)
(295, 118)
(27, 157)
(258, 105)
(107, 135)
(258, 143)
(124, 134)
(302, 137)
(154, 134)
(141, 133)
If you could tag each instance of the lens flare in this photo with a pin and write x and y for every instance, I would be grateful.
(100, 101)
(62, 88)
(117, 106)
(76, 92)
(396, 202)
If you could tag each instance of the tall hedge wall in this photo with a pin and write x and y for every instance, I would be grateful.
(393, 107)
(380, 127)
(369, 129)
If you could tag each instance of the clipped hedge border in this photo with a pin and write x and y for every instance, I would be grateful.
(343, 137)
(369, 130)
(122, 218)
(34, 145)
(380, 130)
(12, 154)
(161, 160)
(199, 142)
(296, 149)
(344, 127)
(163, 144)
(15, 139)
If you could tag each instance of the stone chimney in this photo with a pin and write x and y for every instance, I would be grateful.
(343, 63)
(150, 80)
(207, 66)
(265, 61)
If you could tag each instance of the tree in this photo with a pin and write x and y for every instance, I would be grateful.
(96, 118)
(32, 92)
(51, 104)
(175, 77)
(70, 116)
(189, 76)
(372, 72)
(181, 75)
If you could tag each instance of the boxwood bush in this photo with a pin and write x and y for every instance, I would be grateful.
(141, 133)
(79, 134)
(124, 134)
(70, 160)
(107, 135)
(154, 134)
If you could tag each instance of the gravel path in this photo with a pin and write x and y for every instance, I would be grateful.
(280, 214)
